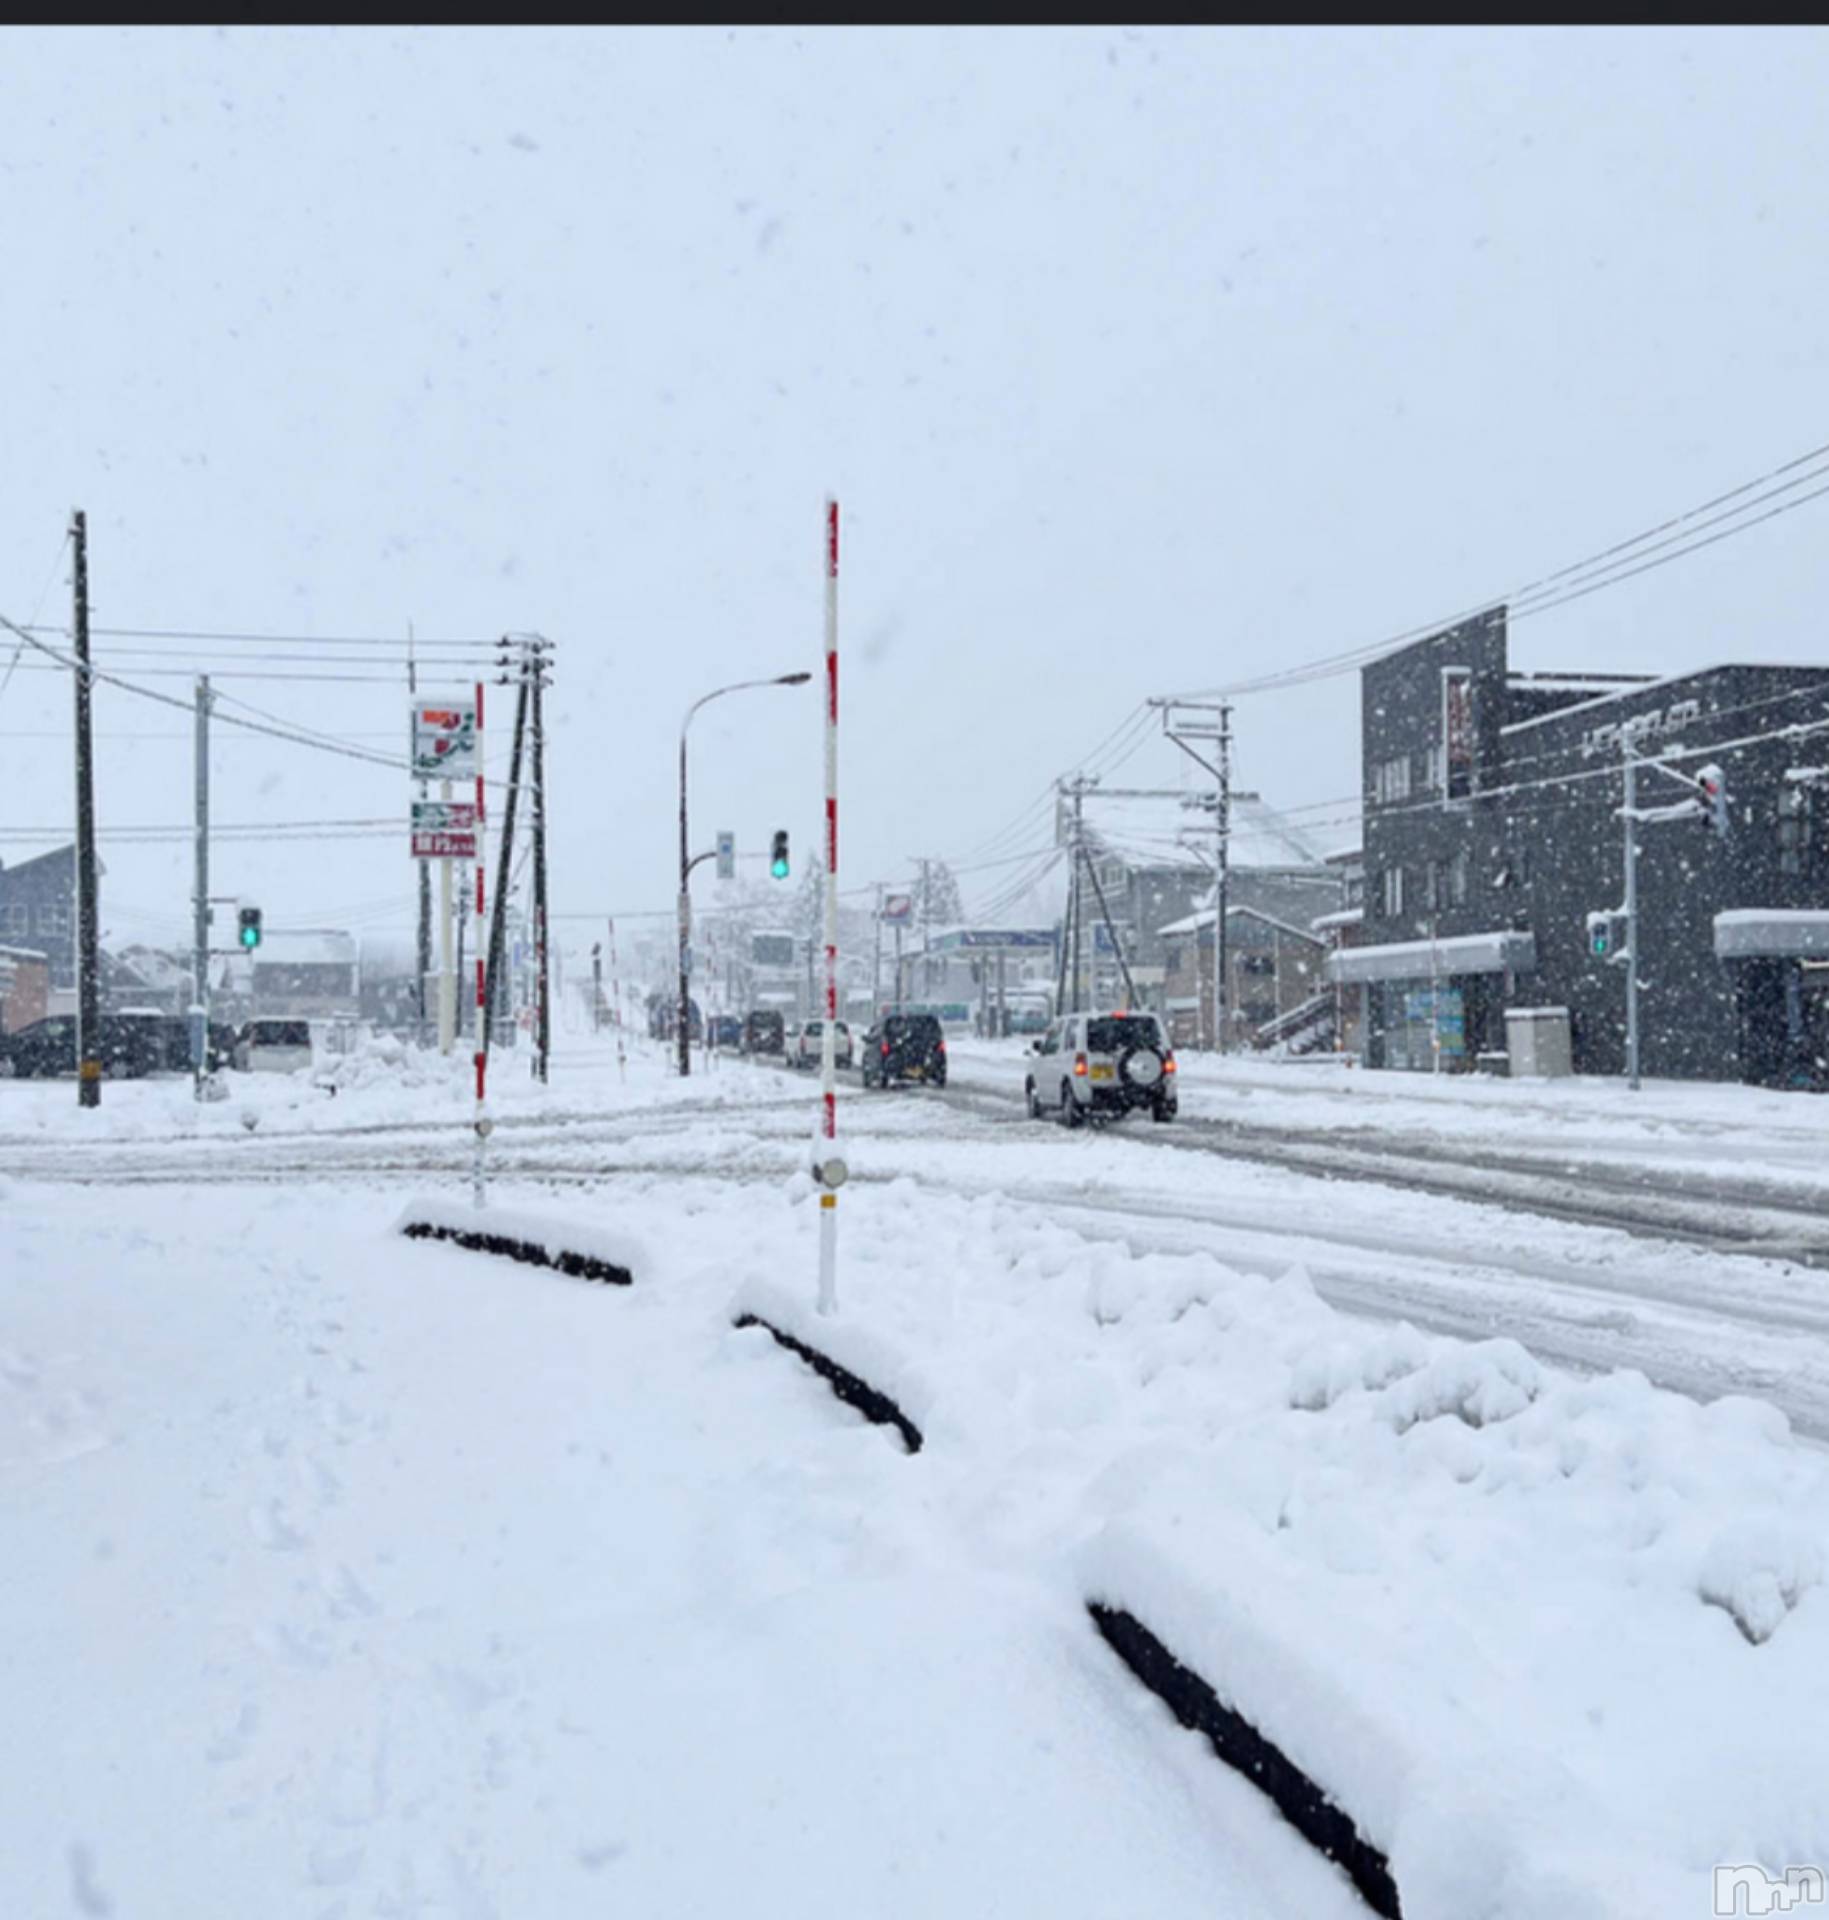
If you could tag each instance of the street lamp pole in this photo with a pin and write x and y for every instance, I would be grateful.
(687, 862)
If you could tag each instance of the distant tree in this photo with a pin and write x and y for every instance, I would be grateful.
(945, 907)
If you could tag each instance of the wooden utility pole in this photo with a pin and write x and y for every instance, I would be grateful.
(498, 923)
(423, 947)
(88, 959)
(543, 1031)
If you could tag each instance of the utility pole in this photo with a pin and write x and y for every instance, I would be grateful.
(543, 1031)
(1629, 813)
(498, 923)
(876, 963)
(596, 985)
(200, 905)
(88, 963)
(1210, 723)
(422, 952)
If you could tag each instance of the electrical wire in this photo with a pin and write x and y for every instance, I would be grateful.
(1616, 563)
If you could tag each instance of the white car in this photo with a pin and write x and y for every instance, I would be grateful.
(274, 1046)
(803, 1047)
(1100, 1064)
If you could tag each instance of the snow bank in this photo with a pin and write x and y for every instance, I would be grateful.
(584, 1247)
(1557, 1646)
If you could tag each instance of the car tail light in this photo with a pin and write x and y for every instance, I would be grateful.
(1079, 1063)
(939, 1046)
(1168, 1063)
(885, 1049)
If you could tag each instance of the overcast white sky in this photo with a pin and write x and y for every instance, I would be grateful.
(1139, 361)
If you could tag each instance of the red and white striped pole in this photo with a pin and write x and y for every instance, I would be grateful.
(832, 1169)
(482, 951)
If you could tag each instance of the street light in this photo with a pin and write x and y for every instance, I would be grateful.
(686, 860)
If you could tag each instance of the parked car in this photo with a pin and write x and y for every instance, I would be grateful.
(128, 1045)
(1101, 1064)
(726, 1031)
(274, 1046)
(905, 1046)
(804, 1049)
(764, 1031)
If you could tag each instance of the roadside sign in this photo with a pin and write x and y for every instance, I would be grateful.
(444, 830)
(444, 739)
(444, 846)
(898, 906)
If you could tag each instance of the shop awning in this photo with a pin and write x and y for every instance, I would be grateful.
(1505, 950)
(1772, 933)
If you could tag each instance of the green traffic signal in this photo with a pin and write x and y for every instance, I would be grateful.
(777, 864)
(250, 928)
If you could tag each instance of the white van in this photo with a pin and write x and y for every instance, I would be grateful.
(274, 1046)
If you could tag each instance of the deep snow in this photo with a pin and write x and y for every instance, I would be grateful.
(356, 1576)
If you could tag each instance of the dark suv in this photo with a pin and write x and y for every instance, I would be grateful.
(128, 1046)
(764, 1031)
(905, 1046)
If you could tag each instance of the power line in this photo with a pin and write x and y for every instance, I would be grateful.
(1543, 594)
(322, 743)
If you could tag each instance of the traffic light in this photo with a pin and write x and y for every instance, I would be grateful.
(777, 860)
(1713, 783)
(1600, 935)
(250, 928)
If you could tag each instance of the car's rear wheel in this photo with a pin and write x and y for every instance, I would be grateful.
(1162, 1112)
(1033, 1100)
(1071, 1115)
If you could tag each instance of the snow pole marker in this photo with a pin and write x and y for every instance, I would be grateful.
(830, 1170)
(622, 1063)
(477, 1187)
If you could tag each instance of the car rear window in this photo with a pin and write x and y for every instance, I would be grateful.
(1116, 1032)
(280, 1033)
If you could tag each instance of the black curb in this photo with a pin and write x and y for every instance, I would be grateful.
(874, 1406)
(1239, 1744)
(579, 1266)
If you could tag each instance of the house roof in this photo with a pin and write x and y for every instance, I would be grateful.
(306, 947)
(1204, 918)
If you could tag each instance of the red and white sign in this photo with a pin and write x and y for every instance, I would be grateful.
(444, 846)
(444, 739)
(444, 830)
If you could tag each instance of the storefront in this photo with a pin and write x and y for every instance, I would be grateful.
(1778, 960)
(1435, 1005)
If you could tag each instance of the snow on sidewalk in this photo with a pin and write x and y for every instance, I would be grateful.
(348, 1576)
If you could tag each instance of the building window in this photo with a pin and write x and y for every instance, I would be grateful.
(1434, 769)
(1391, 780)
(1258, 963)
(54, 919)
(1393, 883)
(18, 918)
(1796, 808)
(1457, 871)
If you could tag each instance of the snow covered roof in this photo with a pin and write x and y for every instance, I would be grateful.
(1345, 917)
(1750, 933)
(1235, 911)
(306, 947)
(1501, 951)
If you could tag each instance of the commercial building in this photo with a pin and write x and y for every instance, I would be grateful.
(1493, 830)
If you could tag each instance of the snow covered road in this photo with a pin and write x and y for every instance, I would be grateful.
(1689, 1306)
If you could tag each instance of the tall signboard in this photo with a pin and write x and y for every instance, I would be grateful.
(444, 739)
